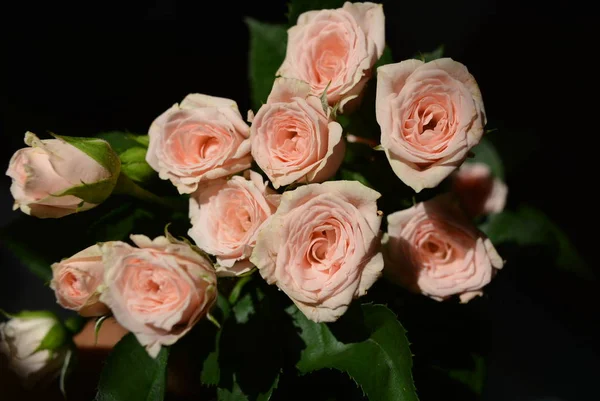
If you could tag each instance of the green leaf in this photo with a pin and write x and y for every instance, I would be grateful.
(98, 149)
(387, 374)
(386, 58)
(122, 141)
(297, 7)
(529, 226)
(54, 339)
(131, 374)
(486, 153)
(472, 378)
(346, 174)
(74, 324)
(134, 164)
(267, 51)
(236, 393)
(438, 52)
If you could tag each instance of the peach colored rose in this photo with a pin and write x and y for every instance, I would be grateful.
(201, 139)
(321, 247)
(432, 248)
(75, 282)
(479, 192)
(336, 48)
(226, 216)
(293, 140)
(157, 291)
(46, 169)
(430, 115)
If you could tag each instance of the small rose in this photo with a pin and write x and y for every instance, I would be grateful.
(432, 248)
(479, 192)
(321, 247)
(226, 216)
(334, 50)
(431, 115)
(293, 140)
(157, 291)
(56, 177)
(76, 281)
(201, 139)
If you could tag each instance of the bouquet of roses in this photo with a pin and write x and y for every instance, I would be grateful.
(268, 246)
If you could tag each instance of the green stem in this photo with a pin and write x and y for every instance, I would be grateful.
(126, 186)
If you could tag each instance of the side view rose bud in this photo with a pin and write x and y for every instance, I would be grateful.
(432, 248)
(334, 50)
(293, 140)
(34, 343)
(431, 115)
(56, 177)
(479, 191)
(201, 139)
(226, 216)
(76, 281)
(321, 247)
(157, 291)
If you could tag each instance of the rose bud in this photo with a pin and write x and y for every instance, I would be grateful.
(433, 248)
(431, 115)
(321, 247)
(479, 192)
(76, 281)
(56, 177)
(157, 291)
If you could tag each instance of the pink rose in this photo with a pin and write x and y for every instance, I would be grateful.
(336, 48)
(321, 247)
(75, 282)
(430, 115)
(45, 170)
(201, 139)
(433, 249)
(157, 291)
(293, 140)
(479, 192)
(226, 216)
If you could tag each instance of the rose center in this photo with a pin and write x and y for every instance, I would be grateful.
(209, 147)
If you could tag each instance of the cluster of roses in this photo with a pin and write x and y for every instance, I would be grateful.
(319, 241)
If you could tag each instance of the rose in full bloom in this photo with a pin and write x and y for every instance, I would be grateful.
(226, 216)
(432, 248)
(75, 282)
(321, 247)
(479, 192)
(431, 115)
(201, 139)
(157, 291)
(43, 172)
(21, 344)
(334, 50)
(293, 140)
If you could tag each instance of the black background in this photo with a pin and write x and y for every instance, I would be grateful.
(77, 69)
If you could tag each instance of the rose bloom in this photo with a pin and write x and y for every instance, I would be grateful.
(75, 282)
(433, 249)
(479, 192)
(49, 167)
(336, 48)
(321, 247)
(293, 140)
(226, 216)
(431, 115)
(201, 139)
(157, 291)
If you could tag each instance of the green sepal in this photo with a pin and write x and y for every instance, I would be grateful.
(96, 148)
(56, 337)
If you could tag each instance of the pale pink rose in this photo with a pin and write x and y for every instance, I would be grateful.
(76, 281)
(479, 192)
(321, 247)
(336, 48)
(49, 167)
(157, 291)
(293, 140)
(226, 216)
(201, 139)
(431, 115)
(432, 248)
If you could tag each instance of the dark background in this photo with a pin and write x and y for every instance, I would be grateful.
(77, 69)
